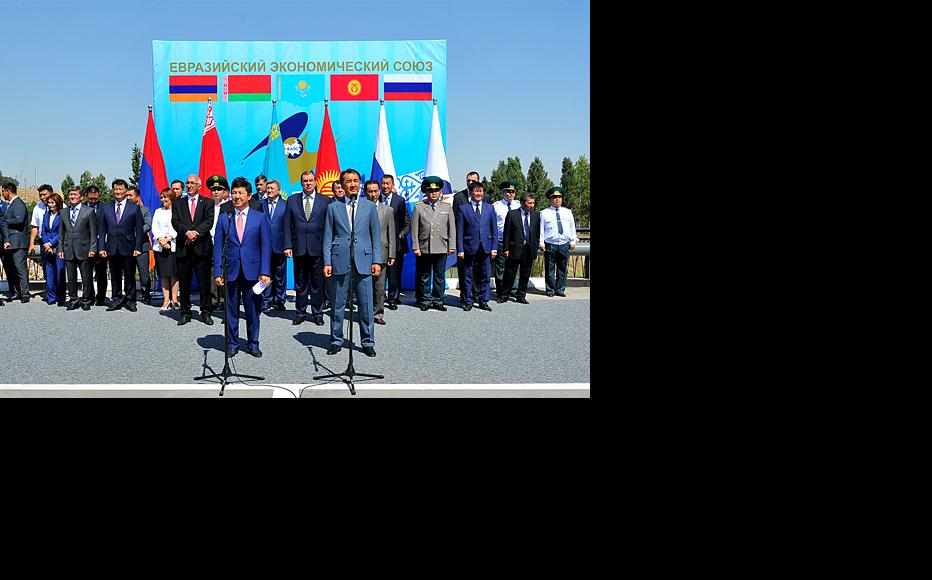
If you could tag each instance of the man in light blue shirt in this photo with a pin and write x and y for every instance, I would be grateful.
(557, 238)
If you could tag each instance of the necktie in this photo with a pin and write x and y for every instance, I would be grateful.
(272, 212)
(74, 215)
(432, 208)
(527, 229)
(119, 212)
(307, 208)
(556, 211)
(352, 213)
(477, 209)
(240, 226)
(193, 206)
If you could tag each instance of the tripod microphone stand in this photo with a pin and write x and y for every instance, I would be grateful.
(350, 372)
(226, 373)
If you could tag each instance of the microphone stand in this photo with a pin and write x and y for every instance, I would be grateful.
(225, 374)
(350, 372)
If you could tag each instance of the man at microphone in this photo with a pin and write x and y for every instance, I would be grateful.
(355, 218)
(247, 235)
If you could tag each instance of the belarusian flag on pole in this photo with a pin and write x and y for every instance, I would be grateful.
(211, 152)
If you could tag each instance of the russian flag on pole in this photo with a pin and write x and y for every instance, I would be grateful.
(152, 176)
(382, 161)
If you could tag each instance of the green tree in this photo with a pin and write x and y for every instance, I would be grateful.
(85, 180)
(498, 176)
(106, 194)
(510, 169)
(568, 183)
(514, 172)
(537, 181)
(8, 179)
(136, 165)
(581, 171)
(66, 184)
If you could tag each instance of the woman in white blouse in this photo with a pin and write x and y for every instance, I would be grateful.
(164, 247)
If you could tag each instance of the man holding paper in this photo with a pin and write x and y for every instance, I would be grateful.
(248, 238)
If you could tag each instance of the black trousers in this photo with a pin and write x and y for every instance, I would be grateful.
(98, 266)
(394, 279)
(145, 281)
(17, 273)
(309, 281)
(432, 265)
(123, 276)
(87, 286)
(200, 267)
(511, 271)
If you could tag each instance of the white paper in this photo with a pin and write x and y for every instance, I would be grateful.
(259, 287)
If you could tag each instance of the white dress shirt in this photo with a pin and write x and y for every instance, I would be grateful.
(550, 233)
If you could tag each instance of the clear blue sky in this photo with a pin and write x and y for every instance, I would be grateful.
(79, 73)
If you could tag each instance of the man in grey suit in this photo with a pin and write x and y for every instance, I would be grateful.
(433, 238)
(142, 260)
(357, 219)
(388, 237)
(77, 235)
(14, 259)
(3, 233)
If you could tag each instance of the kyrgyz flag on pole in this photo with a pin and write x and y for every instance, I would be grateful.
(328, 166)
(152, 176)
(382, 161)
(211, 152)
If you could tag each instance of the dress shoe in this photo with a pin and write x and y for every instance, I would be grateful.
(424, 307)
(114, 306)
(185, 318)
(24, 299)
(280, 307)
(501, 299)
(297, 320)
(334, 349)
(522, 300)
(234, 350)
(206, 319)
(380, 321)
(563, 294)
(484, 306)
(368, 351)
(391, 306)
(86, 306)
(319, 320)
(467, 308)
(101, 302)
(549, 294)
(438, 306)
(254, 351)
(74, 305)
(130, 306)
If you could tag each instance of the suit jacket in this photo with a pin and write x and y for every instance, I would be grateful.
(336, 244)
(253, 255)
(277, 221)
(146, 228)
(305, 237)
(402, 222)
(17, 216)
(4, 232)
(459, 198)
(48, 231)
(474, 232)
(119, 239)
(387, 228)
(201, 222)
(513, 235)
(76, 241)
(433, 232)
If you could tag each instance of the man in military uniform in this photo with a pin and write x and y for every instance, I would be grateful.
(557, 238)
(433, 238)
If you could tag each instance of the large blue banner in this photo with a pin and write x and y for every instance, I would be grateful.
(242, 79)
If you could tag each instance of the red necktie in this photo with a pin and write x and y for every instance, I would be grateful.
(193, 205)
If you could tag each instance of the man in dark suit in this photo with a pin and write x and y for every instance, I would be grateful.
(98, 263)
(519, 243)
(402, 226)
(192, 218)
(303, 229)
(142, 261)
(119, 238)
(476, 240)
(459, 199)
(274, 295)
(248, 237)
(77, 239)
(4, 232)
(15, 244)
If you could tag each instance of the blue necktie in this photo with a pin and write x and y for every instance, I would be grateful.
(559, 223)
(527, 230)
(74, 215)
(477, 208)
